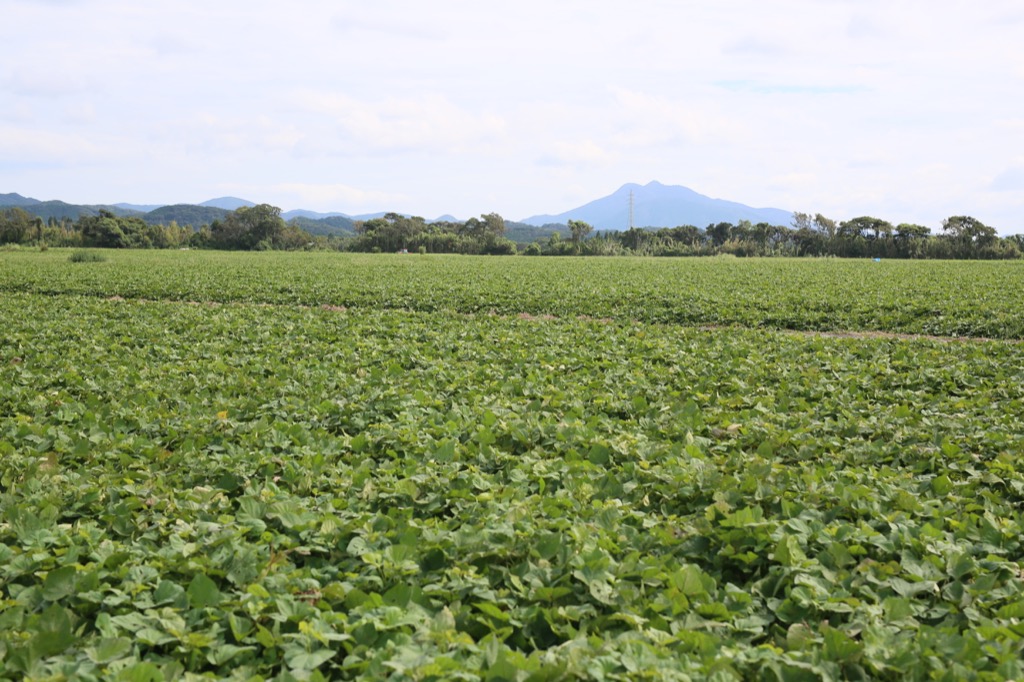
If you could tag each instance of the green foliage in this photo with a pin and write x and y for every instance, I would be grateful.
(262, 228)
(578, 230)
(333, 225)
(397, 233)
(521, 233)
(16, 226)
(249, 228)
(60, 210)
(292, 491)
(83, 256)
(913, 297)
(185, 214)
(110, 231)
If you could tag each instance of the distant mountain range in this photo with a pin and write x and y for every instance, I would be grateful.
(653, 205)
(658, 205)
(228, 203)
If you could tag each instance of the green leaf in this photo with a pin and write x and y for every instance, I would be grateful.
(141, 672)
(548, 545)
(223, 652)
(492, 611)
(841, 647)
(167, 592)
(599, 454)
(53, 631)
(788, 552)
(299, 659)
(109, 649)
(60, 583)
(897, 609)
(942, 485)
(1014, 610)
(203, 592)
(690, 581)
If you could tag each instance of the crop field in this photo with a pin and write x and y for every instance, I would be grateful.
(323, 466)
(942, 298)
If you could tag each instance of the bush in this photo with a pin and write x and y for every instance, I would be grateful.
(86, 257)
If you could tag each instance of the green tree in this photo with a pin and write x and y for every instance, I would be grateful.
(578, 230)
(685, 234)
(249, 227)
(15, 226)
(494, 224)
(824, 225)
(803, 221)
(109, 231)
(909, 231)
(968, 230)
(719, 233)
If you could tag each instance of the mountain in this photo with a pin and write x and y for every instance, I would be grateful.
(59, 210)
(336, 224)
(658, 205)
(141, 208)
(521, 233)
(17, 200)
(228, 203)
(312, 215)
(185, 214)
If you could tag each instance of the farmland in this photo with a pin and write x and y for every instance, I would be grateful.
(298, 466)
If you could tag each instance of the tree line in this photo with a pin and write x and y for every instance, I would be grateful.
(262, 227)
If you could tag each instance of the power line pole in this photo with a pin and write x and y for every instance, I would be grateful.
(631, 209)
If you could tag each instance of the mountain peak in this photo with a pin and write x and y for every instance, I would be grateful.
(15, 199)
(228, 203)
(659, 205)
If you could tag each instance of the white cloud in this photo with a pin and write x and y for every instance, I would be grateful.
(326, 196)
(845, 107)
(585, 152)
(226, 133)
(1010, 180)
(653, 119)
(44, 83)
(26, 145)
(427, 123)
(80, 113)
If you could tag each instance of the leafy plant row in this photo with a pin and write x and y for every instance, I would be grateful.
(945, 298)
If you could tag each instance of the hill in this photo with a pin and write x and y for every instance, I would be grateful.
(658, 205)
(331, 225)
(228, 203)
(59, 209)
(312, 215)
(141, 208)
(185, 214)
(17, 200)
(521, 233)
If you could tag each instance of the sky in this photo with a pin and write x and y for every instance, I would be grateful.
(906, 110)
